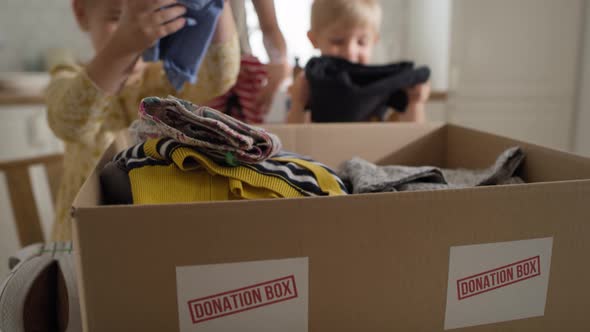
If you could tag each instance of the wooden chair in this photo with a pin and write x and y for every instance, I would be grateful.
(20, 189)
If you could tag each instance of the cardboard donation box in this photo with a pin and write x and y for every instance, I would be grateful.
(494, 258)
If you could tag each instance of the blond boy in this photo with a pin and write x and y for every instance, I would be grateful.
(348, 29)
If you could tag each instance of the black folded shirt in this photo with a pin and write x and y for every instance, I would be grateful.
(342, 91)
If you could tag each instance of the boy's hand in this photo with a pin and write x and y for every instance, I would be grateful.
(418, 93)
(143, 22)
(417, 98)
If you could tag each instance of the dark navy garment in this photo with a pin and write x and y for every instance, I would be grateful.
(342, 91)
(183, 51)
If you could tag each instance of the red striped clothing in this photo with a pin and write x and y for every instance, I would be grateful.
(240, 101)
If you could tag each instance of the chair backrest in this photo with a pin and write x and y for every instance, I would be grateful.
(22, 198)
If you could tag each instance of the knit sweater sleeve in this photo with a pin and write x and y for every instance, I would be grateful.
(218, 72)
(76, 107)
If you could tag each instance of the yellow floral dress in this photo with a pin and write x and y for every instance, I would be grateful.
(87, 120)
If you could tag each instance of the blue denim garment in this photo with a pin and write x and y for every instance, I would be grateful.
(182, 52)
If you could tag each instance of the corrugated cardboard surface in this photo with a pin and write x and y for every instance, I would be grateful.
(376, 262)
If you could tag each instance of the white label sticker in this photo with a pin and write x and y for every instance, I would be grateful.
(497, 282)
(251, 296)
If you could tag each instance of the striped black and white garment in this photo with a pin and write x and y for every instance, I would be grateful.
(304, 174)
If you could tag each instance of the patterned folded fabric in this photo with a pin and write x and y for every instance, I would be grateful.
(215, 134)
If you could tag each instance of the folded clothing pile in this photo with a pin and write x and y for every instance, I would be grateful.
(167, 171)
(215, 134)
(188, 153)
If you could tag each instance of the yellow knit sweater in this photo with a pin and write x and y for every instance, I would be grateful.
(193, 177)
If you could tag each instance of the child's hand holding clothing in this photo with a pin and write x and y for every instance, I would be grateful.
(417, 97)
(140, 25)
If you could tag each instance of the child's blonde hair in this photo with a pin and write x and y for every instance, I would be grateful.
(350, 12)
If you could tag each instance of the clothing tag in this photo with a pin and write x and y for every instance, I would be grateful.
(497, 282)
(190, 21)
(251, 296)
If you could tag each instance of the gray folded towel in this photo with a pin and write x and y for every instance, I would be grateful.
(366, 177)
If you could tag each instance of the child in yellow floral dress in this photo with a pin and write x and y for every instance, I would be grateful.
(88, 104)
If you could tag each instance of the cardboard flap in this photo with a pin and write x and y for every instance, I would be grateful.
(332, 144)
(430, 149)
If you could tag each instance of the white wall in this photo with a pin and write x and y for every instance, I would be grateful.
(582, 139)
(428, 38)
(419, 31)
(515, 68)
(30, 28)
(394, 26)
